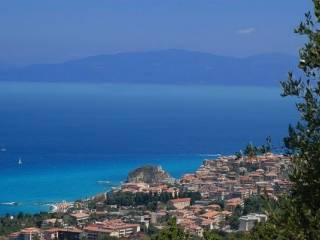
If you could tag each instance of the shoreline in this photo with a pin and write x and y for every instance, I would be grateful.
(94, 181)
(59, 206)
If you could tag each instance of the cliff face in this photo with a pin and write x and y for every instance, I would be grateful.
(149, 174)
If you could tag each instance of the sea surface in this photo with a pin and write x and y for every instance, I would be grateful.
(73, 137)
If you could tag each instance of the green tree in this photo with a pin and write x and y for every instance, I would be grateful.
(233, 221)
(253, 204)
(238, 155)
(267, 146)
(251, 150)
(211, 235)
(298, 215)
(303, 141)
(36, 237)
(172, 232)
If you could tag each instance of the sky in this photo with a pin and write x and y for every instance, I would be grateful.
(50, 31)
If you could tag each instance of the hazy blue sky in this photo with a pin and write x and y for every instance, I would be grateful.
(38, 31)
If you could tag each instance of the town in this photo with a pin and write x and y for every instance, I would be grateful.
(224, 194)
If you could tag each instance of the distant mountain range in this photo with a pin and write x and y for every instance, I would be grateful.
(160, 67)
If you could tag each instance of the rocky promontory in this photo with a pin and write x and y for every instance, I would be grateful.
(149, 174)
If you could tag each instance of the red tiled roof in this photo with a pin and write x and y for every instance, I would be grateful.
(178, 200)
(30, 230)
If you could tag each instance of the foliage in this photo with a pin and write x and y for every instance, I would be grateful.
(266, 147)
(36, 237)
(253, 204)
(152, 230)
(220, 235)
(252, 150)
(238, 155)
(233, 221)
(285, 222)
(70, 221)
(148, 199)
(172, 232)
(9, 224)
(193, 195)
(212, 235)
(135, 199)
(298, 215)
(238, 211)
(218, 202)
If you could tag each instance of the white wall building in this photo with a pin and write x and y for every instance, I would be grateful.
(247, 222)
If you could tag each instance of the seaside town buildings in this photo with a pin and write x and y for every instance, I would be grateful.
(81, 217)
(113, 228)
(247, 222)
(180, 203)
(26, 234)
(224, 184)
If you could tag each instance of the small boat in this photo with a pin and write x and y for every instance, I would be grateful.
(3, 149)
(20, 161)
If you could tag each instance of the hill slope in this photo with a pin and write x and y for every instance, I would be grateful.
(161, 67)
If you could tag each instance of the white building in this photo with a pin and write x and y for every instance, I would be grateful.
(247, 222)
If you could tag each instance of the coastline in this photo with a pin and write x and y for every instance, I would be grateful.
(63, 206)
(207, 197)
(84, 180)
(64, 161)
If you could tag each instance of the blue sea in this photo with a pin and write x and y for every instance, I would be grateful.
(72, 136)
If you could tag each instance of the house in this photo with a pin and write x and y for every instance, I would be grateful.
(80, 216)
(196, 208)
(215, 207)
(207, 224)
(256, 176)
(247, 222)
(157, 216)
(195, 230)
(94, 231)
(143, 220)
(135, 187)
(245, 180)
(48, 234)
(70, 233)
(241, 193)
(15, 236)
(180, 203)
(173, 191)
(232, 203)
(51, 234)
(211, 214)
(26, 234)
(51, 222)
(270, 176)
(100, 207)
(261, 186)
(113, 228)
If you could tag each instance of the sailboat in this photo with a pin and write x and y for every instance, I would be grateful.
(20, 161)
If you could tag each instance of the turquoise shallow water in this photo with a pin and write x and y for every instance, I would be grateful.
(45, 179)
(69, 136)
